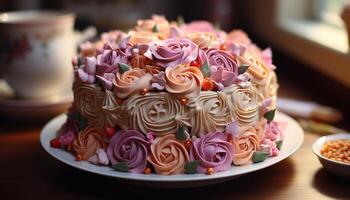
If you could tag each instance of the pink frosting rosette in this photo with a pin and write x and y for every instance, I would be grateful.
(223, 66)
(168, 156)
(212, 151)
(131, 147)
(173, 52)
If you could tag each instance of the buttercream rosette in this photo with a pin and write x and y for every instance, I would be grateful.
(88, 101)
(159, 113)
(168, 156)
(212, 151)
(130, 147)
(167, 94)
(247, 142)
(245, 104)
(183, 81)
(89, 141)
(131, 82)
(210, 112)
(174, 51)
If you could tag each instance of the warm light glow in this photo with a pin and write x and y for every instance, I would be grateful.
(4, 17)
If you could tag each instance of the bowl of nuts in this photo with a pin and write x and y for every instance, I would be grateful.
(333, 151)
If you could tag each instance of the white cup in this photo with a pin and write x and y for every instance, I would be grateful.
(36, 48)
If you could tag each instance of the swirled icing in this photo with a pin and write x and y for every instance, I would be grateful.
(131, 147)
(88, 142)
(212, 151)
(257, 69)
(160, 113)
(168, 156)
(130, 82)
(210, 112)
(245, 104)
(88, 100)
(204, 39)
(113, 113)
(247, 143)
(183, 81)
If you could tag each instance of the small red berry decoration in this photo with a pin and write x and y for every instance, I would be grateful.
(78, 157)
(110, 131)
(195, 63)
(55, 143)
(208, 84)
(147, 170)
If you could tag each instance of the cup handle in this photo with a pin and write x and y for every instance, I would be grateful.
(86, 34)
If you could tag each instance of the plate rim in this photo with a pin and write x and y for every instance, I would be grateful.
(161, 178)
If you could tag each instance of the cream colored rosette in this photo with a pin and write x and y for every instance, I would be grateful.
(88, 142)
(247, 142)
(269, 90)
(210, 112)
(113, 113)
(245, 104)
(183, 81)
(204, 39)
(159, 112)
(131, 82)
(88, 100)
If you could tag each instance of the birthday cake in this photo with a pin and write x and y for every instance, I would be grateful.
(172, 98)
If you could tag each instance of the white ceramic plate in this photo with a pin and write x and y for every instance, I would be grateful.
(293, 138)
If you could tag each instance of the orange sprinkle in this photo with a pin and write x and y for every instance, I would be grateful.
(338, 150)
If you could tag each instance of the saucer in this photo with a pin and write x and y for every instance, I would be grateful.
(34, 110)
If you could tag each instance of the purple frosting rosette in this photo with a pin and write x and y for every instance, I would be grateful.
(131, 147)
(212, 151)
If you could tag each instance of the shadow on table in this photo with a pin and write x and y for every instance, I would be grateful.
(82, 184)
(331, 185)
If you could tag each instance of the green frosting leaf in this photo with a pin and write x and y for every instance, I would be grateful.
(121, 166)
(191, 167)
(205, 69)
(279, 144)
(270, 115)
(242, 68)
(180, 20)
(182, 134)
(259, 156)
(123, 67)
(155, 29)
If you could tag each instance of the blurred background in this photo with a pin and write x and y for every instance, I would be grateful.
(308, 37)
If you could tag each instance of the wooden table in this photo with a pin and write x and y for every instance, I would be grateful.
(28, 172)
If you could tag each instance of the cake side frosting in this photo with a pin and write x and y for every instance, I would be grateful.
(173, 98)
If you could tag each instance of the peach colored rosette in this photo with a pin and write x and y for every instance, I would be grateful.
(168, 156)
(88, 142)
(247, 142)
(183, 81)
(204, 39)
(157, 24)
(131, 82)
